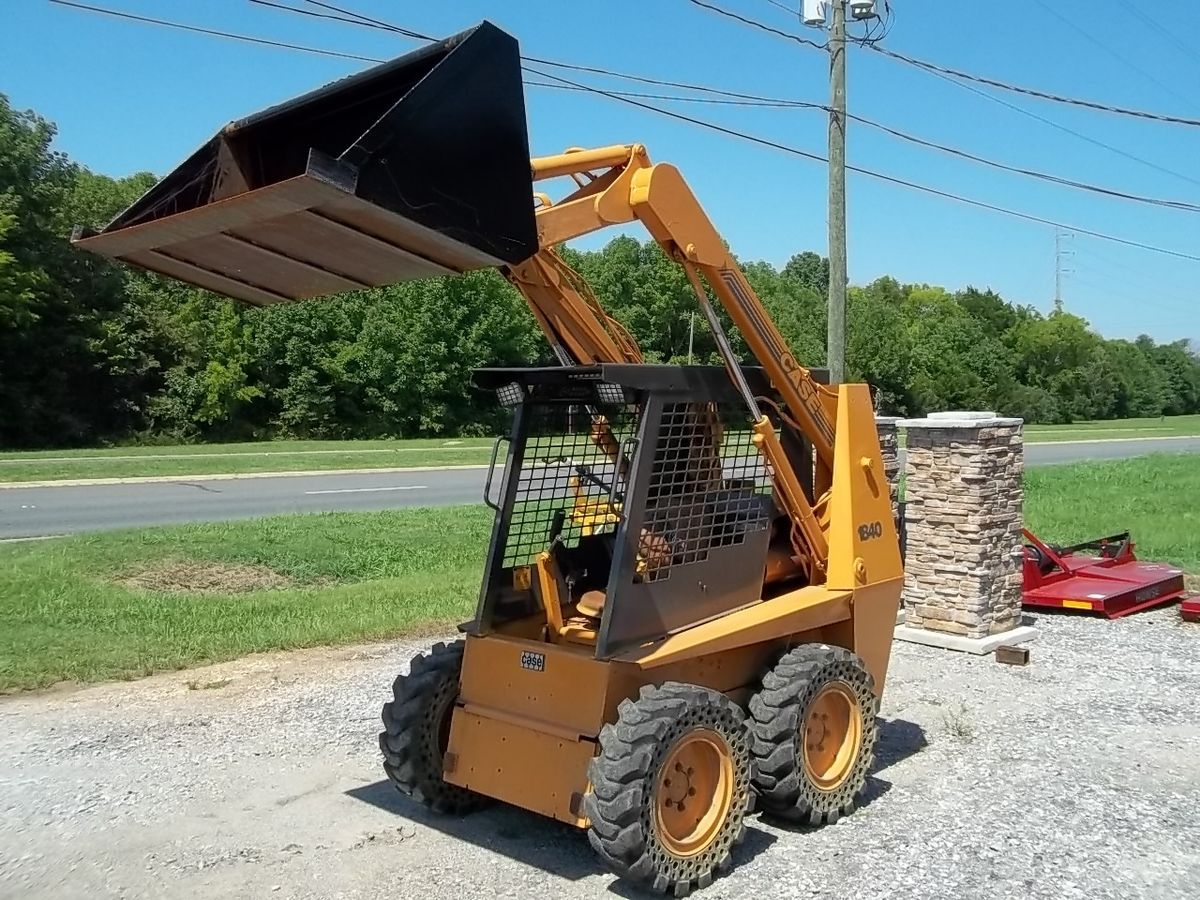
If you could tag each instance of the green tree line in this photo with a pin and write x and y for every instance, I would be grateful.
(92, 352)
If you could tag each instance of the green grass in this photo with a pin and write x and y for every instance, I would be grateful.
(1157, 498)
(359, 576)
(220, 459)
(1168, 426)
(287, 456)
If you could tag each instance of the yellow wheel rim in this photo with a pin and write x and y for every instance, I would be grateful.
(832, 735)
(694, 792)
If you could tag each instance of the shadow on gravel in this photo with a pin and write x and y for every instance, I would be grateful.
(755, 842)
(872, 791)
(516, 833)
(898, 740)
(526, 837)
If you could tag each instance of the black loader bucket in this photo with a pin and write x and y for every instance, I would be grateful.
(417, 167)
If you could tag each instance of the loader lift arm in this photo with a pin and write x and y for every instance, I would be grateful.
(617, 185)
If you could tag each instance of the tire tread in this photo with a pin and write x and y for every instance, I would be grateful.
(783, 788)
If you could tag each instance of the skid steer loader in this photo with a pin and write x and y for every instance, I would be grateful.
(693, 575)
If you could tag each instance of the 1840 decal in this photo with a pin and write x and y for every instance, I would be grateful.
(870, 531)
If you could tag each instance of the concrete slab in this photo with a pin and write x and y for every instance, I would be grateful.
(979, 646)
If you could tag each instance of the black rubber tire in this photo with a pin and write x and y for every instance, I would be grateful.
(776, 714)
(620, 803)
(415, 727)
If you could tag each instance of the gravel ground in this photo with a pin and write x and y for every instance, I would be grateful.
(1076, 776)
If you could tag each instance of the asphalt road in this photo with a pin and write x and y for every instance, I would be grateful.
(42, 511)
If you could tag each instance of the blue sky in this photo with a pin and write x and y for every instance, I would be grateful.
(129, 97)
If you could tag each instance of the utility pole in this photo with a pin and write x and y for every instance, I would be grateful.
(1059, 271)
(836, 314)
(691, 335)
(1057, 268)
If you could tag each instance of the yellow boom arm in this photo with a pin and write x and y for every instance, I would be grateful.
(616, 185)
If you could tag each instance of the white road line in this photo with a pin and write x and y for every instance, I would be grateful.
(233, 476)
(407, 487)
(25, 460)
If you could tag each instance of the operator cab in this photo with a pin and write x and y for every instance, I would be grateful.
(632, 503)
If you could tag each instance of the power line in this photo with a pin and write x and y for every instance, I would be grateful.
(889, 19)
(1141, 290)
(1125, 154)
(214, 33)
(891, 179)
(787, 9)
(379, 23)
(352, 18)
(1126, 293)
(1115, 54)
(1063, 128)
(870, 26)
(1156, 26)
(307, 12)
(1031, 173)
(1116, 268)
(694, 121)
(958, 73)
(781, 103)
(717, 101)
(744, 99)
(1033, 92)
(762, 26)
(644, 79)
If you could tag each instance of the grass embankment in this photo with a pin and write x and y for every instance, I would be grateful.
(125, 604)
(290, 456)
(117, 604)
(222, 459)
(1167, 426)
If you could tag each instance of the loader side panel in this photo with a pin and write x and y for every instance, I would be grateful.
(545, 773)
(560, 688)
(525, 725)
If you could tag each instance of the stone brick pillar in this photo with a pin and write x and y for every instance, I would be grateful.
(963, 516)
(889, 441)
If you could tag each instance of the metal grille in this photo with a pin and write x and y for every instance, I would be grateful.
(568, 469)
(709, 487)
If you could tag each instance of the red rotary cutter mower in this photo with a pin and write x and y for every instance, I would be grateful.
(1101, 576)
